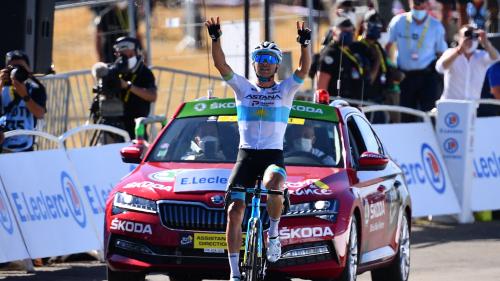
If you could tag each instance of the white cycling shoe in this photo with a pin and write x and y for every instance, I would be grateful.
(273, 249)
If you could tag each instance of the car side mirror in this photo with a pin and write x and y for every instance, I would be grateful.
(132, 154)
(370, 161)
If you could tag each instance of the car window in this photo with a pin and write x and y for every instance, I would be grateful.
(371, 142)
(215, 139)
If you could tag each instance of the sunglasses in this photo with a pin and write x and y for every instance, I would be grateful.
(266, 58)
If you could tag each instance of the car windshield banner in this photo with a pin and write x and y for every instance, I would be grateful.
(300, 109)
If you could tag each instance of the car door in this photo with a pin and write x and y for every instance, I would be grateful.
(372, 189)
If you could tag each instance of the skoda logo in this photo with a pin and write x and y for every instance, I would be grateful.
(433, 168)
(73, 199)
(217, 199)
(450, 145)
(200, 106)
(5, 219)
(451, 120)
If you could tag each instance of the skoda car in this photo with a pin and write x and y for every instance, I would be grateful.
(349, 212)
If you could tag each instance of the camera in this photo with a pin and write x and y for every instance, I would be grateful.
(471, 33)
(107, 102)
(16, 72)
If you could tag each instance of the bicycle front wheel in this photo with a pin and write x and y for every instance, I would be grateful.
(253, 261)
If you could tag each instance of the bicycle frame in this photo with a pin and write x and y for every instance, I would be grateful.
(255, 215)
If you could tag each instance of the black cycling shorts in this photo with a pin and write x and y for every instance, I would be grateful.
(252, 163)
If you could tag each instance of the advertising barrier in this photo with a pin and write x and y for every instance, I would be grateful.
(11, 242)
(414, 148)
(99, 169)
(485, 191)
(48, 203)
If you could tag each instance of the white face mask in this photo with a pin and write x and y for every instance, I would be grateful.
(132, 62)
(473, 47)
(208, 139)
(304, 144)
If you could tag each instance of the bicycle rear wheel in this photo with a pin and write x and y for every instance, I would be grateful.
(253, 263)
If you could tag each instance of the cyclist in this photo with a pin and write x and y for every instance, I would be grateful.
(263, 109)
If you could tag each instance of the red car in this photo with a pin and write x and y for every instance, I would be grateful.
(350, 207)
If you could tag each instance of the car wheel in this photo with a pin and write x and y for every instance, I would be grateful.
(124, 275)
(351, 266)
(183, 277)
(399, 269)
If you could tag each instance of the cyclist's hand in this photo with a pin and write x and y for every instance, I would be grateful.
(213, 28)
(304, 34)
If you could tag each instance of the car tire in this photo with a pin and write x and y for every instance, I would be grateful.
(183, 277)
(351, 265)
(124, 275)
(399, 269)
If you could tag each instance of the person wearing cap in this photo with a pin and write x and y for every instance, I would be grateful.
(385, 78)
(420, 40)
(138, 82)
(22, 101)
(464, 67)
(354, 57)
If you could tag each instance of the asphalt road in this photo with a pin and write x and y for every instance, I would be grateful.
(439, 252)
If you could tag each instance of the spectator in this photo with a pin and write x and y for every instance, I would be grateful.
(112, 22)
(22, 101)
(493, 75)
(355, 63)
(303, 140)
(464, 67)
(419, 39)
(138, 84)
(384, 82)
(205, 145)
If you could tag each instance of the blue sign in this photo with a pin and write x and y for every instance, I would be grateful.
(433, 168)
(75, 203)
(5, 219)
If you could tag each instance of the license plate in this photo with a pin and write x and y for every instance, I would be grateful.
(212, 241)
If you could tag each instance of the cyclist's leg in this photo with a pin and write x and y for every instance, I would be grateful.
(241, 176)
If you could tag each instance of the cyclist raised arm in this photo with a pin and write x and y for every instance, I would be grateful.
(263, 109)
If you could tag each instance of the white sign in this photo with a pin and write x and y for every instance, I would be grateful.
(485, 193)
(202, 180)
(48, 202)
(233, 44)
(99, 169)
(414, 148)
(454, 129)
(11, 242)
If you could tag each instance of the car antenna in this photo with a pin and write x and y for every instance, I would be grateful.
(340, 66)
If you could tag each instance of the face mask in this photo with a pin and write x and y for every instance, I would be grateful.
(208, 144)
(132, 62)
(345, 38)
(473, 47)
(303, 144)
(418, 14)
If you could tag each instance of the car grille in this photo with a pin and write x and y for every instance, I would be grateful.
(198, 216)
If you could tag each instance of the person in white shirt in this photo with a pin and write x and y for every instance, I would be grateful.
(464, 67)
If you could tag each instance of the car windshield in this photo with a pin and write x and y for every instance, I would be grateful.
(215, 139)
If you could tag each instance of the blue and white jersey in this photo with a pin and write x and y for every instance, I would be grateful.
(263, 112)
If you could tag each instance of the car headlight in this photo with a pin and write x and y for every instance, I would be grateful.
(324, 209)
(131, 202)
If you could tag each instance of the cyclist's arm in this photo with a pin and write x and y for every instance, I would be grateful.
(220, 59)
(304, 63)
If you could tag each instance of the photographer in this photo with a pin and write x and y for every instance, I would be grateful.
(127, 79)
(464, 67)
(22, 101)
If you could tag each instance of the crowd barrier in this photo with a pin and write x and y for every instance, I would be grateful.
(52, 202)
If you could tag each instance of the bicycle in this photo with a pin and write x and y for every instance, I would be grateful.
(254, 264)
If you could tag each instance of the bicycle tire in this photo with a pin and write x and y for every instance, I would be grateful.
(253, 262)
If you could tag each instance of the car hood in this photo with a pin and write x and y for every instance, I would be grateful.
(194, 181)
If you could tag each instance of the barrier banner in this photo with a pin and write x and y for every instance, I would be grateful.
(485, 191)
(99, 169)
(11, 242)
(414, 148)
(455, 130)
(48, 203)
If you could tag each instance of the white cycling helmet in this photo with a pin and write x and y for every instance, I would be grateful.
(267, 47)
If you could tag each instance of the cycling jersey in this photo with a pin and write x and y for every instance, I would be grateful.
(263, 112)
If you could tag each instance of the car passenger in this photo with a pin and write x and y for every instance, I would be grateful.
(205, 144)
